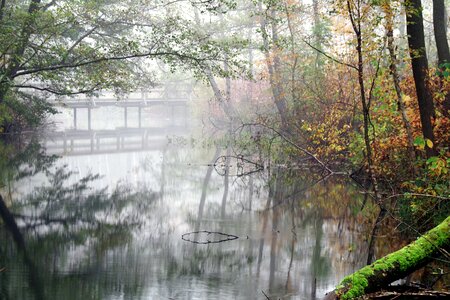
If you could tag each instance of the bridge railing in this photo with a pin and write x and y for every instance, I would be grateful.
(170, 91)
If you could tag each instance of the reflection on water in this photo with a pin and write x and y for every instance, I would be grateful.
(109, 226)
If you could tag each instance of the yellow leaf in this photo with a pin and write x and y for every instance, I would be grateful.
(406, 98)
(429, 143)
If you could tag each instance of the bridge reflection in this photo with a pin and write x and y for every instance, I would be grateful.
(83, 142)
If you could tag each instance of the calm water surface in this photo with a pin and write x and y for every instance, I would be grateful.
(105, 219)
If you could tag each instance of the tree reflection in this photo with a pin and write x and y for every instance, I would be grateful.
(65, 226)
(123, 243)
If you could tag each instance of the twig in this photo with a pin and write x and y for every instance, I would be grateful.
(267, 297)
(280, 134)
(330, 57)
(228, 237)
(418, 195)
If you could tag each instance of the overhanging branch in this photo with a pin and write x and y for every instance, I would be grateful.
(56, 92)
(105, 59)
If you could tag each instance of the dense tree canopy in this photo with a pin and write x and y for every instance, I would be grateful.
(72, 47)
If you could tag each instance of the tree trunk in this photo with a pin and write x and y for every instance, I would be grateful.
(389, 25)
(226, 179)
(294, 54)
(440, 35)
(395, 265)
(416, 42)
(354, 12)
(318, 39)
(274, 66)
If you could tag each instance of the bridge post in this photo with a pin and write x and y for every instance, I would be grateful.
(144, 95)
(65, 143)
(75, 118)
(144, 139)
(140, 116)
(185, 114)
(92, 140)
(89, 118)
(125, 116)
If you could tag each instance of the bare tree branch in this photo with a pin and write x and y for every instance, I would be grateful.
(112, 58)
(330, 57)
(60, 93)
(304, 150)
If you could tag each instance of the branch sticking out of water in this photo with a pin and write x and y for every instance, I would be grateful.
(302, 149)
(267, 297)
(224, 237)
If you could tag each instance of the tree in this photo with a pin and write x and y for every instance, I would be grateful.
(355, 13)
(440, 35)
(389, 26)
(271, 50)
(71, 47)
(419, 62)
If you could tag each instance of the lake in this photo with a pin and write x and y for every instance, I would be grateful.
(147, 213)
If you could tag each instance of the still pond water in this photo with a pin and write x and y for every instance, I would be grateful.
(105, 219)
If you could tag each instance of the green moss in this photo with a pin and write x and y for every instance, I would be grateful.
(404, 260)
(355, 284)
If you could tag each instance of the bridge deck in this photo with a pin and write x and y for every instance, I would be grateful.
(121, 103)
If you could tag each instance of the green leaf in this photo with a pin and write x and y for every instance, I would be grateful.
(419, 142)
(432, 159)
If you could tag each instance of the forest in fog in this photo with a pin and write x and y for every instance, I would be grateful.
(339, 89)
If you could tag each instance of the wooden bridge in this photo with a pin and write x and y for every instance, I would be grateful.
(172, 95)
(78, 141)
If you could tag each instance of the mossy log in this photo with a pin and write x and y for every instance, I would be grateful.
(395, 265)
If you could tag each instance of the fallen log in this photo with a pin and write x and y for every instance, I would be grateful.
(425, 294)
(396, 265)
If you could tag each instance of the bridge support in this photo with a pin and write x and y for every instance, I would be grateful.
(92, 140)
(140, 116)
(89, 118)
(144, 139)
(75, 118)
(125, 116)
(65, 143)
